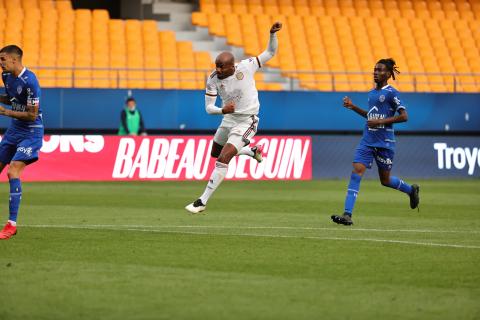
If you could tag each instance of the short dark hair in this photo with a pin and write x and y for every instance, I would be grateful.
(12, 49)
(391, 66)
(130, 99)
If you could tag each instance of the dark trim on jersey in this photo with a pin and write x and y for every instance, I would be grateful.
(258, 61)
(211, 95)
(214, 73)
(250, 129)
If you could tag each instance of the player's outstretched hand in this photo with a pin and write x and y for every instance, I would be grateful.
(228, 108)
(277, 26)
(347, 102)
(3, 111)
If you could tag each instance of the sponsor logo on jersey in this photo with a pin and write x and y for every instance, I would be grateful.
(27, 151)
(17, 106)
(386, 161)
(239, 75)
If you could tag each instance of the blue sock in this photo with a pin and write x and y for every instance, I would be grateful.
(15, 197)
(352, 192)
(399, 184)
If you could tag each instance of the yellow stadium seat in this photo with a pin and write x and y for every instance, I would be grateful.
(200, 19)
(216, 24)
(239, 7)
(233, 30)
(270, 7)
(207, 5)
(46, 5)
(255, 7)
(301, 7)
(223, 6)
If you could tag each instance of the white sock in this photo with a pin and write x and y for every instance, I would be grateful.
(246, 151)
(13, 223)
(216, 178)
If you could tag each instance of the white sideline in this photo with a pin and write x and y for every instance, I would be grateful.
(347, 229)
(138, 229)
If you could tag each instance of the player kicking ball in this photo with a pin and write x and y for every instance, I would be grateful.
(236, 86)
(23, 139)
(378, 141)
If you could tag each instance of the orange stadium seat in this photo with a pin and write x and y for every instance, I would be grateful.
(324, 44)
(358, 34)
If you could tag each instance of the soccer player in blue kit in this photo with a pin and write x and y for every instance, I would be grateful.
(23, 139)
(378, 141)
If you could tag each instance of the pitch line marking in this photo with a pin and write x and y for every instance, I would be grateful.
(347, 229)
(105, 227)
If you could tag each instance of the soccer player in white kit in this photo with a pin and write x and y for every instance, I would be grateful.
(236, 86)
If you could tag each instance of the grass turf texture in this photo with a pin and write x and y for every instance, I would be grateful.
(265, 250)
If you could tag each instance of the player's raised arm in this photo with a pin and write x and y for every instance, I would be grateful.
(272, 44)
(347, 103)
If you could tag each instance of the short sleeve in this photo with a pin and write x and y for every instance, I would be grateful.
(252, 64)
(211, 89)
(33, 93)
(396, 102)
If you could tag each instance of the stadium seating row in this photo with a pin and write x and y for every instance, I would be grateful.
(436, 9)
(86, 49)
(315, 48)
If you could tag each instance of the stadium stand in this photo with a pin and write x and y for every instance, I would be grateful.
(327, 45)
(86, 49)
(332, 44)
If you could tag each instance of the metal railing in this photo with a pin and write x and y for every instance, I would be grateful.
(185, 78)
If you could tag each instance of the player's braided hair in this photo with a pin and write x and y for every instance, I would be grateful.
(391, 66)
(12, 49)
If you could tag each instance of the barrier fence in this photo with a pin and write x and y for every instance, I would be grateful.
(185, 78)
(158, 158)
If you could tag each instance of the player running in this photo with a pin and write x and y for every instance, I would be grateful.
(378, 141)
(22, 141)
(236, 86)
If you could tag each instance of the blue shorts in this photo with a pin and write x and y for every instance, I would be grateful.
(20, 148)
(383, 157)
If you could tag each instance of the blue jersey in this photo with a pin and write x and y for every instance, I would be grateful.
(383, 103)
(23, 90)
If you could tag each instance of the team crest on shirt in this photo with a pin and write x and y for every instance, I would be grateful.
(381, 98)
(239, 75)
(19, 89)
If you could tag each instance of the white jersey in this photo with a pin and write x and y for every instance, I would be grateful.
(238, 88)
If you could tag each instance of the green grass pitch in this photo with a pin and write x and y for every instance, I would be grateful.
(265, 250)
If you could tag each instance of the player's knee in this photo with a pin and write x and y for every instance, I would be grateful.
(13, 173)
(358, 171)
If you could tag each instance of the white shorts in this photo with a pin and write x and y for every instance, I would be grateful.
(237, 130)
